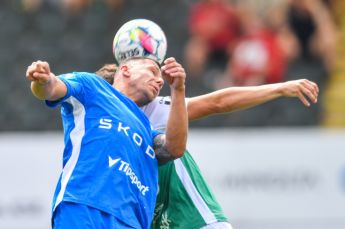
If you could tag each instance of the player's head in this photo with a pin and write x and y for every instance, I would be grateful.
(138, 78)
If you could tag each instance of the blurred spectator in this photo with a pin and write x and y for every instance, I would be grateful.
(75, 6)
(260, 56)
(31, 5)
(115, 5)
(43, 29)
(314, 27)
(257, 59)
(213, 28)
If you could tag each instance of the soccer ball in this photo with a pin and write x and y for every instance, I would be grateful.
(140, 38)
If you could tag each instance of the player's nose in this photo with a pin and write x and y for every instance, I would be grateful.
(160, 82)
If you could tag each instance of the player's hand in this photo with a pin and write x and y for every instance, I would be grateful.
(302, 89)
(39, 71)
(174, 74)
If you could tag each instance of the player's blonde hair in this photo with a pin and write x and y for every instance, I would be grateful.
(107, 72)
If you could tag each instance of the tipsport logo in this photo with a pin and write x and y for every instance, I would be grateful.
(125, 168)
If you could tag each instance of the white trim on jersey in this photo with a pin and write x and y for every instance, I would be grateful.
(76, 136)
(218, 225)
(193, 193)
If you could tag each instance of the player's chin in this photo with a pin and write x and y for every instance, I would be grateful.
(148, 97)
(153, 95)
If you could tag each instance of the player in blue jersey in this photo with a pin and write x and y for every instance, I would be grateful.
(110, 161)
(178, 206)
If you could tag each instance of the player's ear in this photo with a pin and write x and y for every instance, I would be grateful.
(125, 70)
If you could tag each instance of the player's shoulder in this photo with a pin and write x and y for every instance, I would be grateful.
(158, 102)
(162, 101)
(83, 74)
(77, 75)
(80, 76)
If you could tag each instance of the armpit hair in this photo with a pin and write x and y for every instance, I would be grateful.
(162, 154)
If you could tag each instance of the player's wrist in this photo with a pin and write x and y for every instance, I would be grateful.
(280, 89)
(178, 90)
(45, 82)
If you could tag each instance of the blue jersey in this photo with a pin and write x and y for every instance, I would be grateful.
(108, 160)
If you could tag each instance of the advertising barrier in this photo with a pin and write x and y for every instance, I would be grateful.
(263, 178)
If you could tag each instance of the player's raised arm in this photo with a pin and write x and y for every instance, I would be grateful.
(173, 144)
(238, 98)
(44, 84)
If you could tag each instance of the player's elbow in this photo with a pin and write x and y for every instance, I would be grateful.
(178, 153)
(217, 105)
(221, 105)
(177, 150)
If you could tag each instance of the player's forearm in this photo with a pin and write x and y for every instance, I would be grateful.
(232, 99)
(51, 90)
(238, 98)
(177, 126)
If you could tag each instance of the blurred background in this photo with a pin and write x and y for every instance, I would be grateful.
(298, 178)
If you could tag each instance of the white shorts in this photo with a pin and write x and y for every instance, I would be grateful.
(218, 225)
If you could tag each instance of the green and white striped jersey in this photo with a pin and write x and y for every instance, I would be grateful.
(184, 199)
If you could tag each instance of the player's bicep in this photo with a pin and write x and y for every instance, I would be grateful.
(200, 107)
(60, 90)
(162, 153)
(67, 85)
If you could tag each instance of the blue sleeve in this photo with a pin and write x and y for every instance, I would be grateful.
(75, 87)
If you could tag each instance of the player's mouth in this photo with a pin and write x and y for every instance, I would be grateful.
(156, 89)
